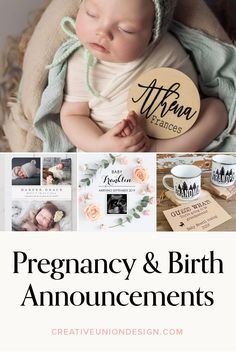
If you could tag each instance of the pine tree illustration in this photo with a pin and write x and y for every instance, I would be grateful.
(185, 189)
(191, 193)
(179, 189)
(227, 177)
(222, 173)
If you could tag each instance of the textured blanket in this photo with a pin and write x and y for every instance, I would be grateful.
(216, 64)
(47, 119)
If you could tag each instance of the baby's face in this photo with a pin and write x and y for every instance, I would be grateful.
(115, 30)
(29, 226)
(60, 166)
(20, 172)
(44, 217)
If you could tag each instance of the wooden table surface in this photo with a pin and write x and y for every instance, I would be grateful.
(162, 223)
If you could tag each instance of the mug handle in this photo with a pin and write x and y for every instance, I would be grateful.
(167, 185)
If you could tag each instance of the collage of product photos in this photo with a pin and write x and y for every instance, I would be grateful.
(144, 192)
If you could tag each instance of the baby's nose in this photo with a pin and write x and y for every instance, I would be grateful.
(104, 33)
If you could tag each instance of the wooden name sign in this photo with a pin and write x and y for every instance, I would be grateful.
(168, 101)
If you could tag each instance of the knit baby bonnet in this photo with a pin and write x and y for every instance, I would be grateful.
(30, 168)
(164, 10)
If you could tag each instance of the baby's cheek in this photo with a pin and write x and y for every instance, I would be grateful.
(81, 33)
(81, 28)
(130, 51)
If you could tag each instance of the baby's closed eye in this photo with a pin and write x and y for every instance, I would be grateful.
(126, 30)
(91, 14)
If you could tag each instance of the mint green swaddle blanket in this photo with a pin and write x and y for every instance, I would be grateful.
(215, 62)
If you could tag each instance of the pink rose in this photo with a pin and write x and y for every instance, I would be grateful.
(123, 161)
(140, 174)
(146, 212)
(83, 168)
(152, 200)
(81, 199)
(93, 212)
(142, 191)
(150, 189)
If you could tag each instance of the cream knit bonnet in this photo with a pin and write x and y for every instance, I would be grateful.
(164, 10)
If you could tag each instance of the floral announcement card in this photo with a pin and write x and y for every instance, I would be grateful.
(117, 192)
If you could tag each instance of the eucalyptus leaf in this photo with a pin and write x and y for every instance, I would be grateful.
(146, 199)
(112, 157)
(105, 163)
(120, 221)
(139, 208)
(84, 180)
(129, 218)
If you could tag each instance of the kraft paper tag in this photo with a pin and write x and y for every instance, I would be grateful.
(167, 100)
(202, 215)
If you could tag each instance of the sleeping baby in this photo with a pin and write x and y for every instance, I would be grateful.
(26, 170)
(123, 39)
(46, 218)
(56, 174)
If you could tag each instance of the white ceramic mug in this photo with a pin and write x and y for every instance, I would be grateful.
(186, 182)
(223, 170)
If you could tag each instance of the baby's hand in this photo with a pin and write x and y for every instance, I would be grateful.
(131, 124)
(113, 141)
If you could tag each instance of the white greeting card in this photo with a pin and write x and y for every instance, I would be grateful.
(116, 192)
(40, 189)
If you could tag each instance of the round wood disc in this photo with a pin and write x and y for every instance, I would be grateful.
(167, 100)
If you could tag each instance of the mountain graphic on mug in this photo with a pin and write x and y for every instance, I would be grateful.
(223, 176)
(186, 191)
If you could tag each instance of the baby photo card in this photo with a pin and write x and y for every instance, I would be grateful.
(41, 189)
(116, 192)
